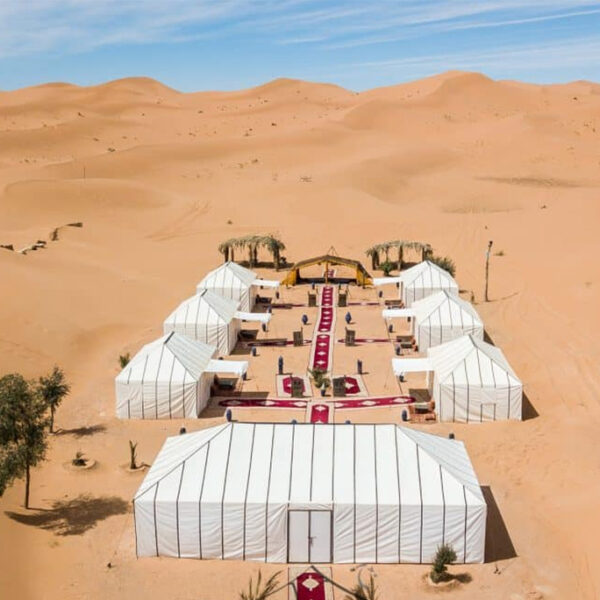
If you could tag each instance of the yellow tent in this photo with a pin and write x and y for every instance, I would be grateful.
(362, 276)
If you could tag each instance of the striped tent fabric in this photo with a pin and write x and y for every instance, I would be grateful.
(232, 281)
(166, 379)
(209, 318)
(341, 493)
(473, 382)
(442, 317)
(425, 279)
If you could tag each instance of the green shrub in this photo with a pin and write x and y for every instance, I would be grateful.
(444, 556)
(387, 267)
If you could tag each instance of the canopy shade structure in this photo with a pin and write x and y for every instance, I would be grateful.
(402, 366)
(169, 378)
(377, 281)
(425, 279)
(209, 318)
(310, 494)
(472, 381)
(256, 317)
(235, 282)
(439, 318)
(361, 274)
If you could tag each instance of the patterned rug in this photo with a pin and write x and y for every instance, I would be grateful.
(355, 386)
(373, 402)
(319, 412)
(321, 352)
(268, 403)
(307, 584)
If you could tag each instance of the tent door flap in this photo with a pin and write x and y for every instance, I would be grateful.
(309, 536)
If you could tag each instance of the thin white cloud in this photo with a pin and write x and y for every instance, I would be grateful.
(66, 26)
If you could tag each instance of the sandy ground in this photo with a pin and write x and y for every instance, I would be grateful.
(158, 178)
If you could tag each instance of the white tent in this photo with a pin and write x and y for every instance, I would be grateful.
(170, 378)
(310, 494)
(440, 318)
(472, 381)
(210, 318)
(233, 281)
(425, 279)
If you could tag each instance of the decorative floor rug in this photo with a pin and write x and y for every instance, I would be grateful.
(321, 353)
(319, 412)
(268, 403)
(308, 584)
(355, 386)
(373, 402)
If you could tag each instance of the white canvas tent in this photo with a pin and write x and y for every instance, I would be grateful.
(170, 378)
(233, 281)
(310, 494)
(472, 381)
(212, 319)
(424, 279)
(439, 318)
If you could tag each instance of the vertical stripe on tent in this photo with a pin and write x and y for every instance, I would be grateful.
(399, 495)
(177, 509)
(154, 510)
(200, 501)
(376, 494)
(481, 384)
(468, 389)
(162, 350)
(170, 383)
(247, 488)
(196, 320)
(444, 504)
(143, 375)
(421, 497)
(268, 491)
(232, 429)
(137, 555)
(354, 487)
(466, 514)
(312, 461)
(291, 463)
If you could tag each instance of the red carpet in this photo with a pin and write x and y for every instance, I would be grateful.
(319, 413)
(322, 341)
(287, 384)
(269, 403)
(310, 586)
(374, 402)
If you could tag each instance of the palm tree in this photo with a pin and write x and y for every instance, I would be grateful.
(275, 246)
(225, 248)
(373, 253)
(53, 389)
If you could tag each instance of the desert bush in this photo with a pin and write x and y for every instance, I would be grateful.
(387, 267)
(260, 591)
(124, 359)
(444, 556)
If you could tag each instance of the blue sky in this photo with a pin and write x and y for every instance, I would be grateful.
(232, 44)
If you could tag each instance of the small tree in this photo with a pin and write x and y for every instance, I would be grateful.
(444, 556)
(260, 591)
(53, 388)
(319, 378)
(387, 267)
(132, 455)
(124, 359)
(23, 430)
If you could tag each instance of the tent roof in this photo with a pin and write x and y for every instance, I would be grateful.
(468, 360)
(354, 460)
(228, 275)
(156, 361)
(428, 275)
(201, 307)
(444, 308)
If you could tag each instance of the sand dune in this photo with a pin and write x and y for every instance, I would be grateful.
(159, 177)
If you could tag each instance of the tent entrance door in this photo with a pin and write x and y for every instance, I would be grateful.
(309, 536)
(488, 411)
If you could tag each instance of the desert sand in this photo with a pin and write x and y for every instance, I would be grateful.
(158, 178)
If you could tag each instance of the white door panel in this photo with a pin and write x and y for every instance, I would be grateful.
(298, 525)
(320, 537)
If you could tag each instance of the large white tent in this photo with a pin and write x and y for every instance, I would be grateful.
(472, 381)
(421, 281)
(233, 281)
(439, 318)
(310, 494)
(170, 378)
(212, 319)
